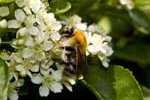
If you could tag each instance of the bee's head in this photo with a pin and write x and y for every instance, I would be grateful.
(67, 30)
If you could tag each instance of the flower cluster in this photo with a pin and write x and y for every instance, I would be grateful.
(37, 33)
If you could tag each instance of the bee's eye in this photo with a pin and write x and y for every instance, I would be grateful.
(68, 31)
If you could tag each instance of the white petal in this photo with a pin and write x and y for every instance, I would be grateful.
(68, 86)
(22, 32)
(101, 49)
(23, 73)
(44, 72)
(30, 20)
(33, 30)
(92, 49)
(48, 45)
(12, 94)
(57, 75)
(35, 68)
(105, 63)
(123, 2)
(72, 81)
(17, 57)
(29, 41)
(55, 36)
(58, 26)
(27, 53)
(50, 16)
(3, 23)
(20, 82)
(19, 68)
(40, 56)
(20, 15)
(4, 11)
(44, 91)
(35, 5)
(14, 24)
(20, 3)
(56, 87)
(97, 39)
(91, 28)
(27, 10)
(40, 37)
(36, 79)
(81, 26)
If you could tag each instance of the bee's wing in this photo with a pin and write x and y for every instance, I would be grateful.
(80, 62)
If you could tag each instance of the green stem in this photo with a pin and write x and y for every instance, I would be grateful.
(5, 42)
(91, 88)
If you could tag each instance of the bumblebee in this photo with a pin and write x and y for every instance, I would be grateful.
(73, 46)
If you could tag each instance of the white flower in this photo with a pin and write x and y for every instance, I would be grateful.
(3, 23)
(4, 11)
(30, 20)
(14, 24)
(39, 56)
(47, 45)
(56, 87)
(55, 36)
(20, 15)
(81, 26)
(29, 41)
(19, 67)
(20, 3)
(27, 53)
(68, 86)
(13, 95)
(45, 72)
(17, 57)
(35, 5)
(44, 91)
(57, 75)
(33, 30)
(35, 67)
(36, 79)
(21, 32)
(27, 10)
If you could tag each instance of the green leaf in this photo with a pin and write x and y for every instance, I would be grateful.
(146, 92)
(93, 90)
(3, 80)
(141, 2)
(140, 20)
(114, 83)
(135, 52)
(6, 1)
(60, 7)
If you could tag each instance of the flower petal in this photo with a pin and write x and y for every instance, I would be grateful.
(36, 79)
(27, 53)
(14, 24)
(12, 94)
(56, 87)
(20, 15)
(4, 11)
(44, 91)
(3, 23)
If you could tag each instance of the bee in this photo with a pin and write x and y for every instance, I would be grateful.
(73, 46)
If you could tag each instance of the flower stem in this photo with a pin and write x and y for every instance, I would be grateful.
(5, 42)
